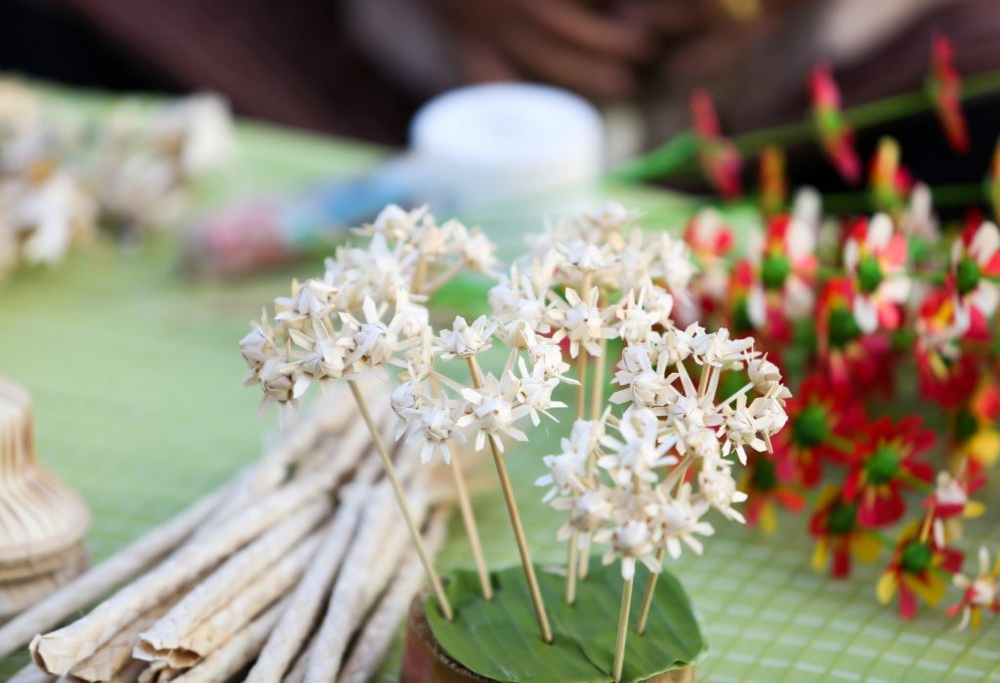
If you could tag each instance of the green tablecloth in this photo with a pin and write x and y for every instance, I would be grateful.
(139, 406)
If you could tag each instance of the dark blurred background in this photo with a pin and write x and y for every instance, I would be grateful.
(360, 68)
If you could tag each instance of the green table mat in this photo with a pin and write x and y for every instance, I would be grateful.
(137, 387)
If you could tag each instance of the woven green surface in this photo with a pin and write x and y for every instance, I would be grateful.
(136, 382)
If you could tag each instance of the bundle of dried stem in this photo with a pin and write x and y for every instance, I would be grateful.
(306, 541)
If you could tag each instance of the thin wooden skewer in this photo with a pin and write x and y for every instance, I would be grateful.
(469, 519)
(465, 506)
(515, 519)
(571, 571)
(622, 629)
(647, 598)
(390, 471)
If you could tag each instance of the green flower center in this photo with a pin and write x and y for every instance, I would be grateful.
(843, 327)
(810, 427)
(869, 275)
(883, 464)
(916, 557)
(774, 271)
(765, 475)
(967, 274)
(965, 425)
(842, 519)
(741, 318)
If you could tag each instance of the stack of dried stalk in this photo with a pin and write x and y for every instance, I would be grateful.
(297, 570)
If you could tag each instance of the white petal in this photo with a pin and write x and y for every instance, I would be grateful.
(865, 314)
(985, 243)
(986, 298)
(895, 289)
(879, 232)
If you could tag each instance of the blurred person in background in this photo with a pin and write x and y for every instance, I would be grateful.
(359, 68)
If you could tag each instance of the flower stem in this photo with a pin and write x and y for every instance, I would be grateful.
(647, 598)
(390, 471)
(469, 519)
(622, 629)
(679, 155)
(465, 506)
(571, 571)
(515, 519)
(585, 559)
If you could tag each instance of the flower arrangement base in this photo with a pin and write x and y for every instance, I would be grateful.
(498, 641)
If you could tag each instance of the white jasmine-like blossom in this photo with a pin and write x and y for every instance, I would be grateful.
(312, 299)
(588, 512)
(645, 385)
(477, 252)
(567, 470)
(535, 391)
(464, 340)
(411, 319)
(718, 349)
(673, 265)
(580, 321)
(764, 374)
(639, 451)
(493, 410)
(375, 342)
(436, 426)
(717, 486)
(394, 223)
(741, 429)
(678, 518)
(634, 322)
(406, 399)
(325, 357)
(549, 357)
(631, 541)
(518, 297)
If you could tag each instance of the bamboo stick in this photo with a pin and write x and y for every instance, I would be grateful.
(647, 598)
(390, 471)
(515, 520)
(622, 629)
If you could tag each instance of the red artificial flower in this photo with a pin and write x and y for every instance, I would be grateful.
(975, 255)
(890, 181)
(951, 497)
(835, 527)
(946, 374)
(976, 440)
(788, 265)
(875, 256)
(821, 418)
(719, 158)
(773, 182)
(710, 239)
(850, 359)
(980, 593)
(764, 487)
(884, 463)
(835, 135)
(945, 88)
(915, 570)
